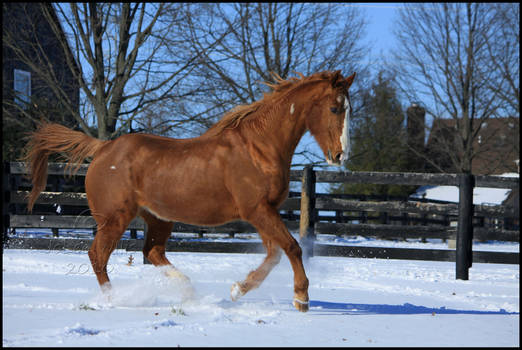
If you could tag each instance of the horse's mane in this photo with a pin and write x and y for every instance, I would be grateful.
(279, 88)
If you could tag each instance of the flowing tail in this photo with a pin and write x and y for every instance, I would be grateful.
(55, 138)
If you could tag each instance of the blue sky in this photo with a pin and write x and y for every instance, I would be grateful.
(380, 17)
(380, 21)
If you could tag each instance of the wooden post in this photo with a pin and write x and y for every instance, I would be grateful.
(6, 198)
(465, 226)
(307, 220)
(339, 218)
(145, 233)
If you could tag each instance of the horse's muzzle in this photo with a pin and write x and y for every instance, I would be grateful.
(338, 159)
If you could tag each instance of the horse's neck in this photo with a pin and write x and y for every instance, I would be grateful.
(284, 126)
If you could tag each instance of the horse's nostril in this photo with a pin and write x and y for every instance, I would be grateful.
(334, 159)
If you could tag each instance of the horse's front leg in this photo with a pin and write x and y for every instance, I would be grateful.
(272, 229)
(257, 276)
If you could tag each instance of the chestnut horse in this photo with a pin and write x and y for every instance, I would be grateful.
(237, 170)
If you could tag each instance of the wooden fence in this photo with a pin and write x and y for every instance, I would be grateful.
(395, 219)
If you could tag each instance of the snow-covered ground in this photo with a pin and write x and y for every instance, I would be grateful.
(51, 298)
(481, 195)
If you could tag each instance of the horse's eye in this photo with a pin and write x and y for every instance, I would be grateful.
(334, 110)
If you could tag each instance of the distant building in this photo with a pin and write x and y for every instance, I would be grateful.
(499, 144)
(513, 202)
(496, 146)
(22, 87)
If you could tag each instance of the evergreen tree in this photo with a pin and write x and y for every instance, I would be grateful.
(377, 143)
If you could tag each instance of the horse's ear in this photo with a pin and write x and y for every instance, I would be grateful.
(337, 78)
(349, 80)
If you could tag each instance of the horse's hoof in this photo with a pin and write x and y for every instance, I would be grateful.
(187, 292)
(106, 287)
(235, 291)
(175, 273)
(183, 282)
(300, 305)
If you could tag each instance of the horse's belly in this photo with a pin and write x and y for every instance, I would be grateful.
(194, 208)
(194, 215)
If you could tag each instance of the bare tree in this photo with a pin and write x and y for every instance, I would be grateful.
(265, 38)
(503, 47)
(444, 59)
(118, 53)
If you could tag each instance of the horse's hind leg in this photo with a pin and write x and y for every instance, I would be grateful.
(110, 229)
(257, 276)
(158, 233)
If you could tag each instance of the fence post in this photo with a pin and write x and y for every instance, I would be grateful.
(145, 233)
(307, 217)
(6, 198)
(465, 226)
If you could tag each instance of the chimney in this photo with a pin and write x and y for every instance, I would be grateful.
(416, 134)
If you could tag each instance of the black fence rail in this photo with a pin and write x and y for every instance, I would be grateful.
(63, 206)
(464, 213)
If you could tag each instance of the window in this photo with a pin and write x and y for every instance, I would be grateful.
(22, 87)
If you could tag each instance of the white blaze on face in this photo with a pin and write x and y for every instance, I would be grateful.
(345, 137)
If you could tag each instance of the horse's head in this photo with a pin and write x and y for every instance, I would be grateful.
(329, 119)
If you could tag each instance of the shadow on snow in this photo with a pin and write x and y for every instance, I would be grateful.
(385, 309)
